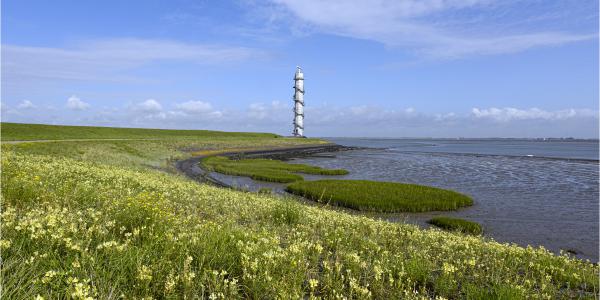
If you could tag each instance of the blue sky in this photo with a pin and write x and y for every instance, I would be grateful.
(429, 68)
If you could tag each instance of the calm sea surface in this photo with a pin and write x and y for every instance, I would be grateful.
(527, 192)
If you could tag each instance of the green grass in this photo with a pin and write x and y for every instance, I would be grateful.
(105, 220)
(17, 131)
(154, 151)
(264, 169)
(380, 196)
(455, 224)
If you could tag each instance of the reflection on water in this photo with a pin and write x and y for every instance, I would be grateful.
(553, 203)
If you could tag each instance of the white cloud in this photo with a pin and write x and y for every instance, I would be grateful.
(75, 103)
(217, 114)
(326, 120)
(26, 104)
(458, 47)
(445, 117)
(107, 59)
(434, 28)
(273, 111)
(148, 106)
(509, 114)
(367, 120)
(195, 107)
(190, 113)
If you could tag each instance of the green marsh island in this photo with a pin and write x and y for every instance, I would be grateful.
(104, 213)
(380, 196)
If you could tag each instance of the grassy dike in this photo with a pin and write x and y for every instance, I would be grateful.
(109, 219)
(26, 132)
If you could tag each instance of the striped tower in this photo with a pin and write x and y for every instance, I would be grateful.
(298, 103)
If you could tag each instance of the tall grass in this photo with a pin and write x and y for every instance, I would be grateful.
(380, 196)
(264, 169)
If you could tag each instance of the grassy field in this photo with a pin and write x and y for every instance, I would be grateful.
(455, 224)
(264, 169)
(152, 151)
(108, 220)
(380, 196)
(25, 132)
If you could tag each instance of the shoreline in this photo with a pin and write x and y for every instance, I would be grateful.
(191, 168)
(195, 172)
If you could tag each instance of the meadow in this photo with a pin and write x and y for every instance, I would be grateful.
(456, 224)
(23, 132)
(379, 196)
(264, 169)
(112, 220)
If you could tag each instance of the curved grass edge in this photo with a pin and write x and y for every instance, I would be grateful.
(380, 196)
(264, 169)
(457, 224)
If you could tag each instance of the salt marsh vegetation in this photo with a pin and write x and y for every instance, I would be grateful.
(264, 169)
(379, 196)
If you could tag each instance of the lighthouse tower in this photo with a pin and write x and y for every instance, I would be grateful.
(298, 103)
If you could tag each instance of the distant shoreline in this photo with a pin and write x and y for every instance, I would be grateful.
(540, 139)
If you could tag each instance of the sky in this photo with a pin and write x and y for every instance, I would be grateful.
(380, 68)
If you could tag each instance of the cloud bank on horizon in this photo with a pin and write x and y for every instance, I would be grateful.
(430, 68)
(358, 121)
